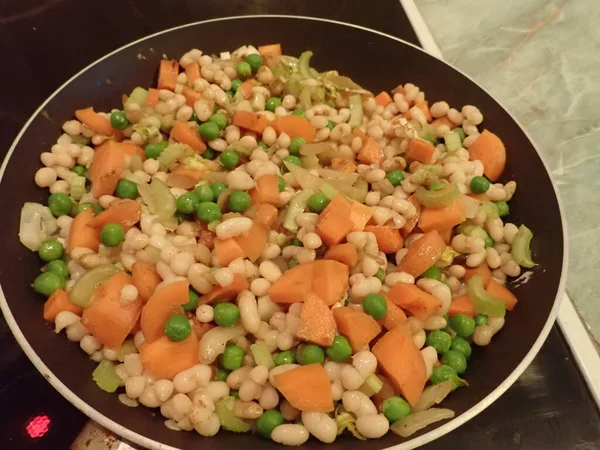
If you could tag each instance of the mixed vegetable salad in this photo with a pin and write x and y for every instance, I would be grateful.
(253, 245)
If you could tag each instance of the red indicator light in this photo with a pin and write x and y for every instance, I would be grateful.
(38, 426)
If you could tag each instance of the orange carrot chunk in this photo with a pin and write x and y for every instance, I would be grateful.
(499, 291)
(389, 239)
(333, 227)
(57, 303)
(316, 321)
(490, 150)
(254, 241)
(444, 218)
(443, 121)
(266, 190)
(394, 316)
(227, 250)
(462, 305)
(360, 215)
(164, 359)
(191, 96)
(343, 165)
(250, 121)
(106, 318)
(420, 150)
(295, 126)
(371, 152)
(107, 164)
(412, 222)
(294, 285)
(220, 293)
(266, 214)
(81, 234)
(339, 204)
(422, 254)
(124, 212)
(192, 72)
(161, 306)
(402, 362)
(419, 303)
(167, 74)
(152, 97)
(271, 49)
(358, 327)
(344, 253)
(306, 388)
(94, 121)
(330, 280)
(246, 88)
(484, 271)
(383, 98)
(145, 278)
(182, 132)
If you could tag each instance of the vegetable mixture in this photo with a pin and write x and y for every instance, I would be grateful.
(253, 245)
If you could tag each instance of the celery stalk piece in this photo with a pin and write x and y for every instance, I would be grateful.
(521, 250)
(483, 301)
(106, 376)
(224, 410)
(85, 286)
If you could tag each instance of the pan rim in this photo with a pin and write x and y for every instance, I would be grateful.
(430, 436)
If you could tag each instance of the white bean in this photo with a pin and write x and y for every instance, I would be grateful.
(249, 390)
(430, 357)
(372, 426)
(239, 180)
(358, 403)
(483, 335)
(365, 363)
(249, 313)
(134, 386)
(270, 271)
(320, 425)
(290, 434)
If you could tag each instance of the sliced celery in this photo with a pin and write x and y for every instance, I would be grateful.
(139, 96)
(371, 386)
(85, 286)
(328, 190)
(164, 202)
(304, 64)
(106, 376)
(173, 153)
(356, 111)
(483, 301)
(262, 355)
(77, 186)
(438, 199)
(491, 210)
(452, 141)
(521, 250)
(469, 228)
(305, 99)
(224, 410)
(296, 206)
(125, 349)
(428, 133)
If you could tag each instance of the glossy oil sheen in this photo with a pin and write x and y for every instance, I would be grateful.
(372, 60)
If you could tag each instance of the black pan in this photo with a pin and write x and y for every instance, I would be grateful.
(376, 61)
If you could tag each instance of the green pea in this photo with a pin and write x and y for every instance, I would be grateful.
(255, 61)
(292, 159)
(239, 201)
(287, 357)
(178, 328)
(127, 189)
(442, 373)
(380, 275)
(395, 408)
(479, 185)
(481, 319)
(262, 144)
(48, 282)
(118, 120)
(395, 177)
(215, 108)
(503, 208)
(269, 420)
(339, 350)
(222, 374)
(230, 159)
(272, 103)
(79, 170)
(295, 145)
(217, 187)
(461, 133)
(226, 314)
(488, 242)
(243, 69)
(209, 130)
(463, 325)
(192, 303)
(299, 113)
(292, 263)
(437, 187)
(220, 120)
(317, 202)
(112, 234)
(83, 206)
(310, 354)
(433, 272)
(59, 267)
(204, 193)
(456, 360)
(50, 250)
(181, 217)
(235, 85)
(187, 203)
(60, 204)
(235, 394)
(233, 357)
(297, 242)
(375, 306)
(330, 125)
(153, 151)
(208, 212)
(281, 184)
(462, 346)
(440, 340)
(209, 154)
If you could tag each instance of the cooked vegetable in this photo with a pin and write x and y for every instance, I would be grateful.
(307, 388)
(419, 420)
(489, 149)
(105, 376)
(160, 307)
(229, 422)
(415, 300)
(164, 358)
(34, 225)
(422, 254)
(57, 303)
(521, 250)
(317, 324)
(484, 302)
(358, 327)
(85, 286)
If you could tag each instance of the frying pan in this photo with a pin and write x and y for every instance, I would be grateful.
(376, 61)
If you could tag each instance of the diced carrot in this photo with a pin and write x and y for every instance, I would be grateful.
(107, 164)
(266, 214)
(266, 190)
(420, 150)
(227, 250)
(161, 306)
(399, 90)
(191, 96)
(94, 121)
(343, 165)
(306, 388)
(295, 126)
(164, 358)
(419, 303)
(411, 223)
(184, 177)
(82, 235)
(444, 218)
(394, 316)
(497, 290)
(360, 133)
(443, 121)
(446, 235)
(223, 294)
(182, 132)
(253, 242)
(422, 254)
(389, 239)
(333, 228)
(294, 285)
(339, 204)
(192, 72)
(489, 149)
(316, 321)
(131, 149)
(423, 106)
(483, 270)
(360, 215)
(124, 212)
(271, 49)
(383, 98)
(106, 318)
(59, 302)
(330, 280)
(167, 74)
(358, 327)
(152, 97)
(402, 362)
(145, 278)
(205, 236)
(201, 328)
(462, 305)
(344, 253)
(371, 152)
(246, 88)
(250, 121)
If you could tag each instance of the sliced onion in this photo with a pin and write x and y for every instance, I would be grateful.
(315, 149)
(214, 341)
(304, 178)
(419, 420)
(337, 176)
(165, 202)
(213, 176)
(433, 395)
(384, 186)
(310, 161)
